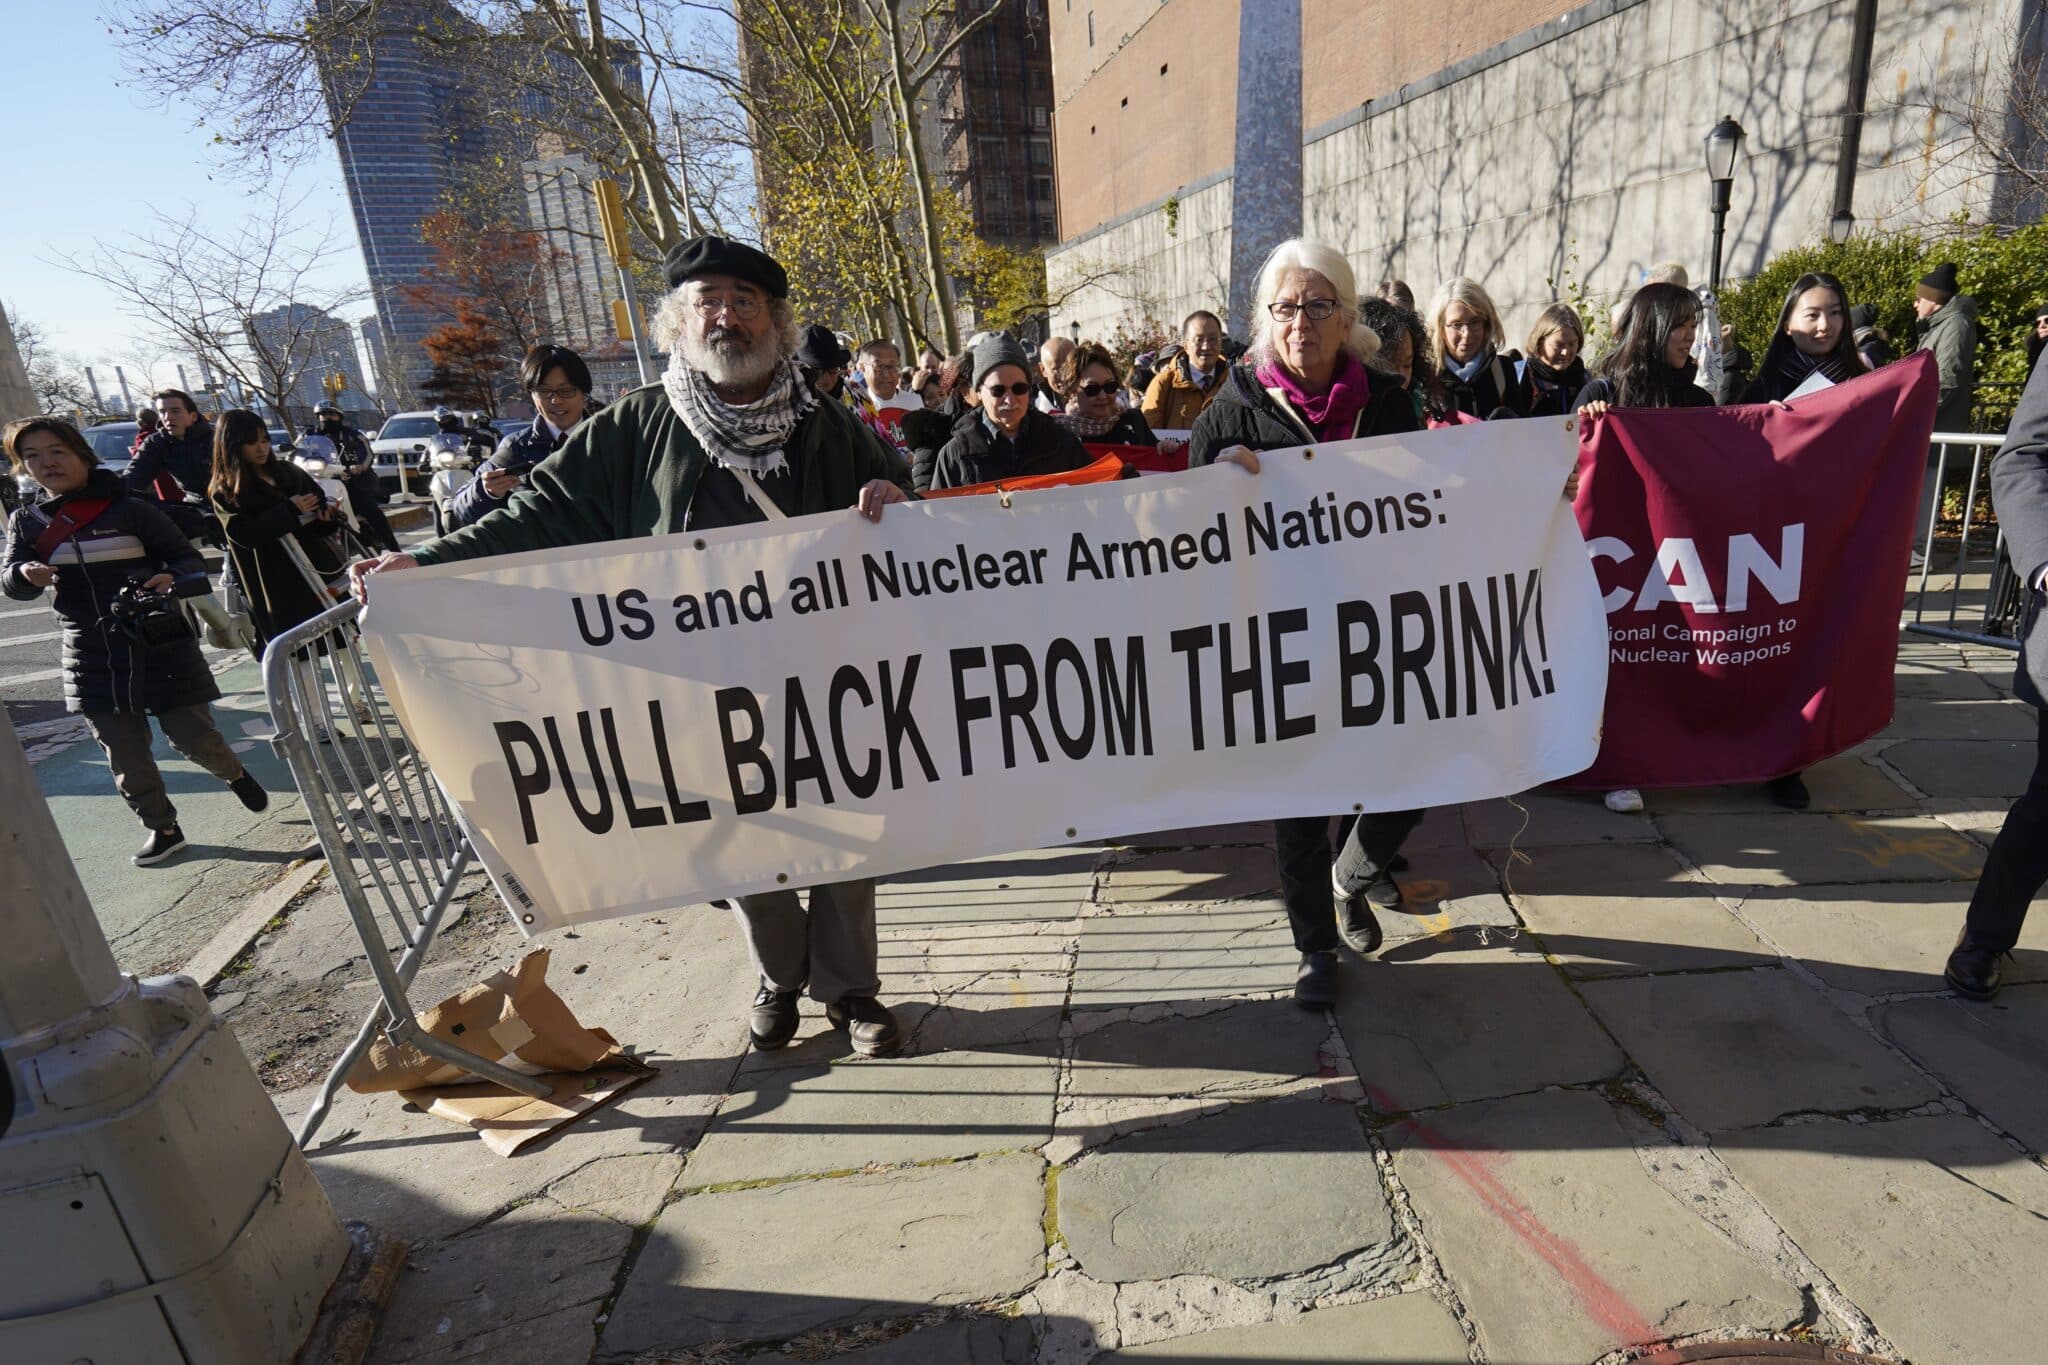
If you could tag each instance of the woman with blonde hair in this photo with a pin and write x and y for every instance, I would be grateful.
(1554, 367)
(1472, 376)
(1305, 380)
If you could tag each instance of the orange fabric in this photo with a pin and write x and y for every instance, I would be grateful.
(1105, 470)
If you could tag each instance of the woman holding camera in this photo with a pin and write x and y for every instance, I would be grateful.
(129, 652)
(264, 503)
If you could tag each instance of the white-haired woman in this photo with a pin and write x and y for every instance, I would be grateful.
(1305, 380)
(1472, 376)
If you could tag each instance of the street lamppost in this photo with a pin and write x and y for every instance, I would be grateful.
(1075, 328)
(1724, 146)
(1841, 226)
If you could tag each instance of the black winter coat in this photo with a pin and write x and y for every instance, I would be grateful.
(924, 435)
(2019, 493)
(1679, 392)
(258, 523)
(1243, 413)
(521, 452)
(975, 455)
(189, 460)
(129, 542)
(1494, 386)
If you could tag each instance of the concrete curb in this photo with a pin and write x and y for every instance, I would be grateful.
(238, 933)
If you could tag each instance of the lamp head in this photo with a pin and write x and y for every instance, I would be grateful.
(1724, 146)
(1841, 226)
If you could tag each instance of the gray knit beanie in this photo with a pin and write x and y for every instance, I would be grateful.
(999, 348)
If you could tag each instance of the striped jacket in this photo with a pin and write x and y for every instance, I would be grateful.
(131, 541)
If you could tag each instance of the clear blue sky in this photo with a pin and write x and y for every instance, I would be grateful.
(87, 151)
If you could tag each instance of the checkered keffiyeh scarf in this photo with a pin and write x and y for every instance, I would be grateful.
(750, 437)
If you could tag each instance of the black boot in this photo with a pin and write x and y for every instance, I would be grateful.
(1315, 983)
(869, 1025)
(1789, 792)
(1973, 970)
(772, 1022)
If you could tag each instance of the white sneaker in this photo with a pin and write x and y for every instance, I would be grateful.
(1625, 801)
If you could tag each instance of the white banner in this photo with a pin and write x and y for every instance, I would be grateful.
(1371, 625)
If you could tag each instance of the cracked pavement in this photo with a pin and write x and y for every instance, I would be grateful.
(1614, 1082)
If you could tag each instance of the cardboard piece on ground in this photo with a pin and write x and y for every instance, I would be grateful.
(510, 1017)
(507, 1121)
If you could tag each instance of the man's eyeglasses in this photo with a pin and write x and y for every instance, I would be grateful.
(559, 395)
(1097, 390)
(710, 306)
(1014, 390)
(1318, 310)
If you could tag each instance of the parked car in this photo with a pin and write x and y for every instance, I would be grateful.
(112, 443)
(280, 440)
(509, 426)
(397, 448)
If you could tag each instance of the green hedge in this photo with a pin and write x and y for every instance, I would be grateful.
(2007, 273)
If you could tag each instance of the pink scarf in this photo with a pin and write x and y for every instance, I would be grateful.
(1334, 412)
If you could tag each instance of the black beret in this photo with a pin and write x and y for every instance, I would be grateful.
(723, 256)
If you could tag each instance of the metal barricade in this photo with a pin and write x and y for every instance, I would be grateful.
(1995, 623)
(393, 844)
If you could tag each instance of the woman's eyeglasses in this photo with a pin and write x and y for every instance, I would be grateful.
(1097, 390)
(1014, 390)
(1318, 310)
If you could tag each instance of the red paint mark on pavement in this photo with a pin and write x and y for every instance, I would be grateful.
(1601, 1300)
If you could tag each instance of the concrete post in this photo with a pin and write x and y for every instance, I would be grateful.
(1265, 186)
(155, 1209)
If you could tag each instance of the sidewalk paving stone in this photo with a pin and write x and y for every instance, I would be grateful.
(1196, 874)
(1141, 1073)
(1558, 1241)
(498, 1291)
(1408, 1329)
(1736, 1049)
(766, 1264)
(1949, 684)
(1932, 1226)
(1552, 818)
(1880, 940)
(1625, 910)
(1253, 1192)
(978, 1340)
(1995, 1056)
(1431, 1023)
(824, 1115)
(1184, 952)
(1996, 768)
(1446, 889)
(1817, 849)
(2001, 718)
(1035, 884)
(1842, 783)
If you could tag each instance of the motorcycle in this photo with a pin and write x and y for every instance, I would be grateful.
(451, 458)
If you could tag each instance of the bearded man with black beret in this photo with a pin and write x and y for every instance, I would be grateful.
(731, 435)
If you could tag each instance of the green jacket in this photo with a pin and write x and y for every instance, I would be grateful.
(1951, 333)
(632, 469)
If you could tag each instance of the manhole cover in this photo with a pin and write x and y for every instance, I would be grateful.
(1759, 1353)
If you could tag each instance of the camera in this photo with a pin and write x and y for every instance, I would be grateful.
(149, 619)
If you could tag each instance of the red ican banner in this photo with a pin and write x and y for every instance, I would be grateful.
(1753, 565)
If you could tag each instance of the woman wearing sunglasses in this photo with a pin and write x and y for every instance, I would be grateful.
(1095, 411)
(1003, 436)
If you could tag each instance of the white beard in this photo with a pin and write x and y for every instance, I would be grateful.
(730, 362)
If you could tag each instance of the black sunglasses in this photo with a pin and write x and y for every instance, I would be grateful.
(1097, 390)
(1015, 390)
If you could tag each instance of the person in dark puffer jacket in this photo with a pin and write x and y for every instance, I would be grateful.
(1005, 438)
(263, 501)
(91, 538)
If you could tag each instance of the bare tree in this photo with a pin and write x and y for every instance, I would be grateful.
(252, 304)
(1989, 121)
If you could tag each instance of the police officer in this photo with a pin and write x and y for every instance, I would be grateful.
(358, 472)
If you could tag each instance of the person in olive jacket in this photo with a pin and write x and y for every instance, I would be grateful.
(732, 435)
(1005, 437)
(1304, 381)
(91, 538)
